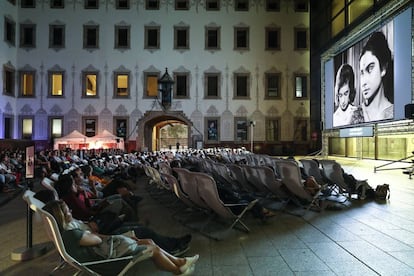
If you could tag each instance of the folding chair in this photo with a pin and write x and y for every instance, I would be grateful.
(50, 185)
(189, 187)
(207, 190)
(333, 172)
(91, 268)
(292, 179)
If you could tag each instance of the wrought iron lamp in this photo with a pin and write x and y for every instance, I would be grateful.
(165, 84)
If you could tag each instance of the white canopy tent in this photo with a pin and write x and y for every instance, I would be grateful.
(74, 140)
(106, 140)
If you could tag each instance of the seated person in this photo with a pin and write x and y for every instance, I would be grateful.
(85, 246)
(109, 223)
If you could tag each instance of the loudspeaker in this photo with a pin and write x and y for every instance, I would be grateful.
(409, 111)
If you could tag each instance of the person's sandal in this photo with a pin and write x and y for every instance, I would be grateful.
(189, 261)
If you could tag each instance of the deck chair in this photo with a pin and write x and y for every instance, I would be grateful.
(254, 179)
(49, 184)
(333, 172)
(91, 268)
(207, 189)
(236, 173)
(292, 179)
(164, 167)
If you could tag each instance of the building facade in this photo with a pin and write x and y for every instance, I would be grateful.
(240, 71)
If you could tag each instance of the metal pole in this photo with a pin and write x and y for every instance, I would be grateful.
(251, 136)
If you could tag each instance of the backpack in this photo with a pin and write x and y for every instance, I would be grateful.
(382, 192)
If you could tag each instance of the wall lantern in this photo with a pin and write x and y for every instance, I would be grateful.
(165, 84)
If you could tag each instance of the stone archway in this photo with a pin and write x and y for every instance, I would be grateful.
(150, 119)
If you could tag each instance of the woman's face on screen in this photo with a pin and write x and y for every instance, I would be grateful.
(371, 75)
(343, 96)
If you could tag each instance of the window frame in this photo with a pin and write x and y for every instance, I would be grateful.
(241, 5)
(9, 35)
(91, 4)
(207, 85)
(269, 3)
(210, 5)
(24, 27)
(51, 126)
(297, 32)
(146, 76)
(236, 95)
(279, 85)
(52, 28)
(276, 130)
(22, 133)
(217, 31)
(241, 126)
(86, 29)
(236, 46)
(268, 31)
(215, 130)
(50, 74)
(297, 5)
(22, 83)
(177, 37)
(85, 74)
(306, 81)
(298, 133)
(54, 5)
(92, 123)
(9, 81)
(119, 6)
(28, 4)
(185, 3)
(149, 4)
(147, 37)
(117, 39)
(119, 130)
(176, 75)
(117, 94)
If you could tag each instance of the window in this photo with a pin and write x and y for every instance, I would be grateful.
(9, 31)
(181, 38)
(273, 5)
(90, 126)
(152, 4)
(301, 86)
(56, 87)
(151, 84)
(56, 127)
(28, 3)
(241, 5)
(8, 80)
(181, 85)
(91, 4)
(181, 4)
(122, 4)
(301, 130)
(272, 39)
(121, 127)
(90, 37)
(301, 39)
(152, 37)
(8, 127)
(272, 85)
(57, 4)
(122, 37)
(27, 83)
(27, 35)
(241, 38)
(212, 39)
(301, 5)
(272, 129)
(121, 85)
(57, 36)
(90, 84)
(240, 125)
(27, 128)
(212, 129)
(212, 5)
(241, 85)
(212, 83)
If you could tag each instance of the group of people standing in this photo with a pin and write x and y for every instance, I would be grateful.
(375, 85)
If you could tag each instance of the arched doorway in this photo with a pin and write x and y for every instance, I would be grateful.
(158, 130)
